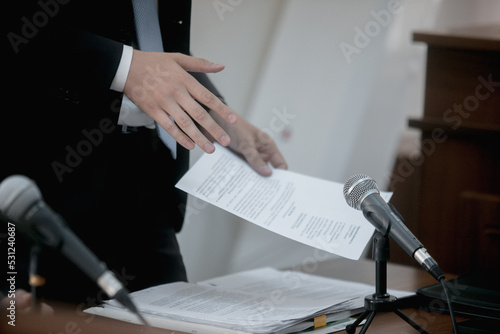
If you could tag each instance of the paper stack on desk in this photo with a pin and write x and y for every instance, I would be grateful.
(263, 300)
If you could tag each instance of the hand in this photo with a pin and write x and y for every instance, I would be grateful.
(158, 83)
(256, 146)
(23, 303)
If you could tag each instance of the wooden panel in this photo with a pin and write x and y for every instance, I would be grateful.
(463, 86)
(452, 207)
(405, 185)
(455, 166)
(429, 193)
(478, 242)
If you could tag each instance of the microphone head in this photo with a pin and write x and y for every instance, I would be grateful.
(357, 188)
(17, 195)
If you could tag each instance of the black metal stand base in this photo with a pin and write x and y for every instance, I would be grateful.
(373, 305)
(380, 301)
(35, 280)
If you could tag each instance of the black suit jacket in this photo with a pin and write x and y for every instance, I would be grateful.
(60, 128)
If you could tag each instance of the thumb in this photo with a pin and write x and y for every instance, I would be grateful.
(194, 64)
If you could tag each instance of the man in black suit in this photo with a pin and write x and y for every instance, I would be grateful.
(65, 128)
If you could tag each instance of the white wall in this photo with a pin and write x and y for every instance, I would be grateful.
(236, 35)
(339, 117)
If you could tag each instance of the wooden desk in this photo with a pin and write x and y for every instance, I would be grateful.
(72, 321)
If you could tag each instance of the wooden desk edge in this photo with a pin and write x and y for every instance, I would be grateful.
(476, 38)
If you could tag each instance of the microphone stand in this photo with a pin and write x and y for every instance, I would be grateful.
(380, 301)
(35, 280)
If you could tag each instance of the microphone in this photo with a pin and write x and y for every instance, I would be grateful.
(361, 192)
(21, 202)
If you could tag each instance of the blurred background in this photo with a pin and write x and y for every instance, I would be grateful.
(332, 81)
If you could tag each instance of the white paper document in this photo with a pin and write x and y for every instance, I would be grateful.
(263, 300)
(303, 208)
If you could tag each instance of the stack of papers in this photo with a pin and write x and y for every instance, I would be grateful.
(263, 300)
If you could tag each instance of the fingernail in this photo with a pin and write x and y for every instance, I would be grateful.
(209, 148)
(265, 169)
(224, 140)
(231, 118)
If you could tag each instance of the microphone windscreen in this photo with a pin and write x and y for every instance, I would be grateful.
(357, 188)
(17, 194)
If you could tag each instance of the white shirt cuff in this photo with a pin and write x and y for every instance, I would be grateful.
(121, 75)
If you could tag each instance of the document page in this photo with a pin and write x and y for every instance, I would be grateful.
(282, 284)
(303, 208)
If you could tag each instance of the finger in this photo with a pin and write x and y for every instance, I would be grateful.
(255, 160)
(269, 149)
(168, 125)
(207, 98)
(189, 129)
(264, 151)
(277, 160)
(194, 64)
(202, 94)
(203, 118)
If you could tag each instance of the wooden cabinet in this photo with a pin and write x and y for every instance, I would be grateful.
(451, 199)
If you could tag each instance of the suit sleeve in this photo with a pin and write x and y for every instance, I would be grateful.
(71, 58)
(58, 52)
